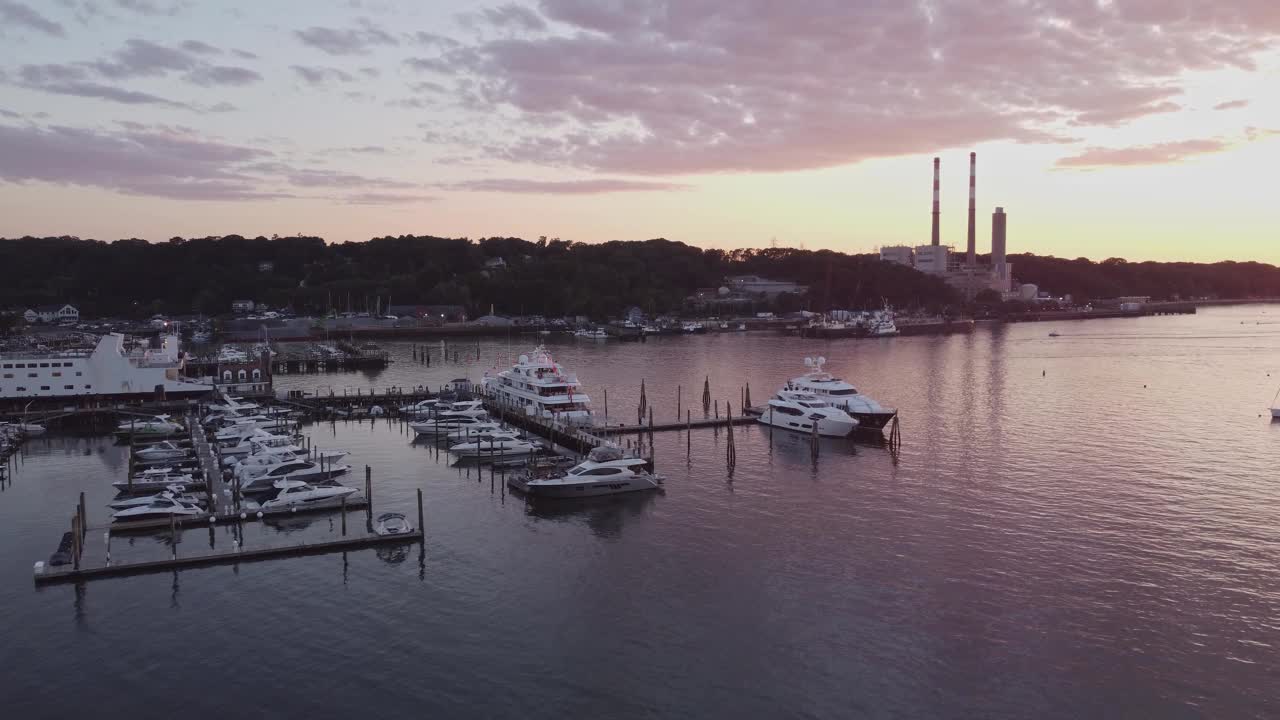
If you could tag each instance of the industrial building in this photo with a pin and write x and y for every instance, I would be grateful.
(962, 272)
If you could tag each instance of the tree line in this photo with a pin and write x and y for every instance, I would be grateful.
(552, 277)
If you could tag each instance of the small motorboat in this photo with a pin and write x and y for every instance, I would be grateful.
(471, 431)
(303, 470)
(393, 524)
(158, 508)
(295, 493)
(30, 429)
(1055, 334)
(606, 471)
(157, 426)
(153, 480)
(173, 492)
(165, 450)
(494, 445)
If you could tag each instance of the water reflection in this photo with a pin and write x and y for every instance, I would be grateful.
(604, 515)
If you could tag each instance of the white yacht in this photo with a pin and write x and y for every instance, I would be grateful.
(591, 334)
(153, 480)
(158, 508)
(108, 371)
(303, 470)
(541, 387)
(422, 407)
(445, 426)
(870, 414)
(494, 445)
(158, 426)
(267, 456)
(166, 450)
(296, 494)
(801, 411)
(469, 432)
(606, 471)
(173, 492)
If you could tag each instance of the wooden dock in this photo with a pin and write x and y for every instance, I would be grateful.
(90, 561)
(102, 567)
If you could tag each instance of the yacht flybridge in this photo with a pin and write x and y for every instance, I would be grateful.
(542, 388)
(870, 414)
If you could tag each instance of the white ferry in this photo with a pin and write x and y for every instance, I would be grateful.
(106, 372)
(543, 388)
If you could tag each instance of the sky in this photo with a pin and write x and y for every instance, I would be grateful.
(1143, 129)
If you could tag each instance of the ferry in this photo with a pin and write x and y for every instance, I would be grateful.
(540, 386)
(106, 372)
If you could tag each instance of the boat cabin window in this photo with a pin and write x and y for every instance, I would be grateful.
(787, 410)
(603, 471)
(845, 391)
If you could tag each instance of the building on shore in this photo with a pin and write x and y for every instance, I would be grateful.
(52, 313)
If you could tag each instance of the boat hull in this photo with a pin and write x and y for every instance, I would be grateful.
(561, 491)
(872, 421)
(827, 427)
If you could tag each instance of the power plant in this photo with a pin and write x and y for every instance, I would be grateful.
(960, 272)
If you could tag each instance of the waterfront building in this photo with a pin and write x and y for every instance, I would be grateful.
(52, 313)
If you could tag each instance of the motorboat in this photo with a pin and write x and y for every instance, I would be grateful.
(495, 445)
(392, 523)
(1055, 334)
(158, 508)
(296, 494)
(165, 450)
(540, 387)
(158, 426)
(303, 470)
(445, 426)
(870, 414)
(606, 471)
(880, 324)
(172, 492)
(591, 333)
(243, 443)
(29, 429)
(254, 465)
(802, 412)
(422, 407)
(153, 480)
(469, 432)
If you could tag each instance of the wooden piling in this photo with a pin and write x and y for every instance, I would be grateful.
(420, 522)
(368, 489)
(344, 516)
(678, 413)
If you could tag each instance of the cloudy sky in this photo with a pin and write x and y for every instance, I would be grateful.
(1148, 129)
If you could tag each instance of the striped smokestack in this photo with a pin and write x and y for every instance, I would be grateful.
(973, 180)
(936, 239)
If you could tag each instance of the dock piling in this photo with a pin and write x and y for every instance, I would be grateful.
(420, 523)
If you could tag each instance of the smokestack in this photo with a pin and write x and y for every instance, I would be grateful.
(973, 181)
(935, 238)
(998, 230)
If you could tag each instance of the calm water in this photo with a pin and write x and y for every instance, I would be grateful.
(1086, 526)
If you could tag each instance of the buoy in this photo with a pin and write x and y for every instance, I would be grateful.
(212, 519)
(242, 516)
(259, 514)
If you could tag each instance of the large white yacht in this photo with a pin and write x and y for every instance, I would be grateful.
(606, 471)
(494, 445)
(542, 388)
(801, 411)
(870, 414)
(107, 371)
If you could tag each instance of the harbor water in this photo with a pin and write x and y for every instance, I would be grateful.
(1079, 526)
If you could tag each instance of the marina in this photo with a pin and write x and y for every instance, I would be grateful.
(858, 533)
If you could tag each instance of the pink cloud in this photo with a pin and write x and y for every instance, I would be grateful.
(1157, 154)
(564, 187)
(664, 87)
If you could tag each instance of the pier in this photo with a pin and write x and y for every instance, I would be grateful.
(90, 560)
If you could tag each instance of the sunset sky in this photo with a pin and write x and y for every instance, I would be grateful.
(1146, 129)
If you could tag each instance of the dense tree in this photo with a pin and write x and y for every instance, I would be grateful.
(553, 277)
